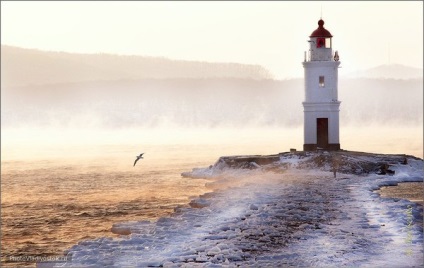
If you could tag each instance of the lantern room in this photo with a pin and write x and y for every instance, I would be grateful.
(320, 47)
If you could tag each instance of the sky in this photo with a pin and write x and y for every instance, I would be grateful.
(273, 34)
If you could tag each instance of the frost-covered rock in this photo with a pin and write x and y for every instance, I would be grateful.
(214, 251)
(199, 203)
(344, 162)
(253, 207)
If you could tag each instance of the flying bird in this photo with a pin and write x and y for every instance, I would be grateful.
(138, 158)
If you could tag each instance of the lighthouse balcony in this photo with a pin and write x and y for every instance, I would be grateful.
(322, 54)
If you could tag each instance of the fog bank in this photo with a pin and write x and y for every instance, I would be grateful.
(211, 102)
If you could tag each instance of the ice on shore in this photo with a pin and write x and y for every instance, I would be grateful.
(287, 210)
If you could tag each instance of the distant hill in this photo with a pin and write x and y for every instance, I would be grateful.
(393, 71)
(20, 67)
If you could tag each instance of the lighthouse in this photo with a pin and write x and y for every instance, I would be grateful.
(321, 105)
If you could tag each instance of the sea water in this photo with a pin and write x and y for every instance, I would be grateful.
(62, 187)
(49, 205)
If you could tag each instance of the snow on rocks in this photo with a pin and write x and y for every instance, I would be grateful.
(286, 216)
(199, 203)
(346, 162)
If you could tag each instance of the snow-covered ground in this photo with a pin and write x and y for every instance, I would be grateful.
(285, 217)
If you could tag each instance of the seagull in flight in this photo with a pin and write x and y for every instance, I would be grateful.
(138, 158)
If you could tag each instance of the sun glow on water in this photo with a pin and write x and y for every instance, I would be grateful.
(66, 144)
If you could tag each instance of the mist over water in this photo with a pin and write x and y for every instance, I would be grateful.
(50, 203)
(212, 102)
(74, 144)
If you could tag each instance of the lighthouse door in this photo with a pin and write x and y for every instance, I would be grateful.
(322, 133)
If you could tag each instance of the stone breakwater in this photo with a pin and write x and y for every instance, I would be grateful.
(296, 215)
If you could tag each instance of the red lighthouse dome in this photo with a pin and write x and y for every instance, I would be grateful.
(321, 31)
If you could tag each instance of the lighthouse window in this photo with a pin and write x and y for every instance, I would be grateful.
(327, 42)
(321, 81)
(320, 42)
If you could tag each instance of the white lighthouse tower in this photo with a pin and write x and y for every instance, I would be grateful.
(321, 105)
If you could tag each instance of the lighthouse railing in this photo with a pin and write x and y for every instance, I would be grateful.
(325, 54)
